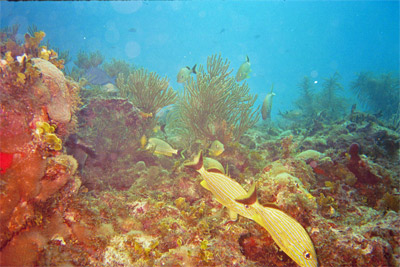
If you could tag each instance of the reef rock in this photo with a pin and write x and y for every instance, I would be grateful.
(53, 89)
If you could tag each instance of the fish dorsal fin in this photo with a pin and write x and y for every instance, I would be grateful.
(188, 67)
(272, 88)
(271, 205)
(250, 198)
(205, 185)
(215, 170)
(197, 162)
(247, 58)
(232, 215)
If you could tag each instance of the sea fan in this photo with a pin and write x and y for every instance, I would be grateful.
(377, 94)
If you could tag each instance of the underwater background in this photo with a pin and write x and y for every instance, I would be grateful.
(105, 107)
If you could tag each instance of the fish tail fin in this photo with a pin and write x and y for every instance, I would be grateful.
(162, 128)
(180, 153)
(197, 163)
(250, 198)
(194, 69)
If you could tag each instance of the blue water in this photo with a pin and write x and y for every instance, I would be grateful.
(285, 40)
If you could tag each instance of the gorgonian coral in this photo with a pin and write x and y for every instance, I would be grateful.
(147, 91)
(214, 106)
(377, 94)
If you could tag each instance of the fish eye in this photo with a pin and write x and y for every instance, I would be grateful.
(246, 206)
(307, 255)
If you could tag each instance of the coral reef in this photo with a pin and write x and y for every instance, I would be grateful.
(37, 111)
(109, 202)
(121, 127)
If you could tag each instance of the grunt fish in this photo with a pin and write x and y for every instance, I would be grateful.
(244, 70)
(224, 189)
(288, 233)
(267, 105)
(292, 115)
(143, 141)
(184, 73)
(216, 148)
(213, 165)
(158, 146)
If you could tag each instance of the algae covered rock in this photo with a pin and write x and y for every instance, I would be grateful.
(309, 154)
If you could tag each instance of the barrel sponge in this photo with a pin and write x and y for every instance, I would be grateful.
(52, 79)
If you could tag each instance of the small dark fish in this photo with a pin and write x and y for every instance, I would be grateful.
(222, 31)
(353, 108)
(79, 150)
(378, 114)
(292, 115)
(132, 30)
(98, 76)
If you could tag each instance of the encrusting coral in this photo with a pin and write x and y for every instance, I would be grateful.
(214, 106)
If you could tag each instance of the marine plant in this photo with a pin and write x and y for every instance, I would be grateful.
(306, 102)
(146, 90)
(215, 107)
(377, 94)
(116, 67)
(330, 103)
(8, 32)
(86, 61)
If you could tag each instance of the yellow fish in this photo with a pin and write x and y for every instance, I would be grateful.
(146, 115)
(288, 233)
(267, 105)
(244, 70)
(184, 73)
(224, 189)
(158, 146)
(143, 141)
(216, 148)
(213, 165)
